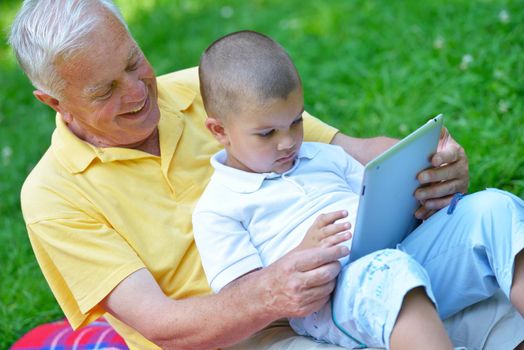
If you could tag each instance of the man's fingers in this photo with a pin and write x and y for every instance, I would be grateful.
(321, 276)
(423, 213)
(314, 306)
(439, 190)
(431, 206)
(312, 259)
(317, 297)
(449, 175)
(450, 171)
(437, 203)
(444, 157)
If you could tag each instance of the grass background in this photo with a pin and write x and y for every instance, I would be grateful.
(369, 67)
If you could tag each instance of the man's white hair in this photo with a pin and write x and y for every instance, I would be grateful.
(45, 31)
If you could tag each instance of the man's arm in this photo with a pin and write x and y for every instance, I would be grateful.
(294, 286)
(361, 149)
(448, 176)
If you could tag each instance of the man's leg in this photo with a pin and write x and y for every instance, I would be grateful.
(469, 255)
(492, 324)
(280, 336)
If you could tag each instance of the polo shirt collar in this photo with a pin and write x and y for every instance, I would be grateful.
(246, 182)
(73, 153)
(76, 155)
(179, 101)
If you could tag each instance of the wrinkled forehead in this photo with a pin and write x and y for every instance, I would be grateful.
(108, 48)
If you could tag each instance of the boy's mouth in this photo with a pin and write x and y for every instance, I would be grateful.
(287, 158)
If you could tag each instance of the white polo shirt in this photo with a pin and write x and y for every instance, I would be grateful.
(244, 221)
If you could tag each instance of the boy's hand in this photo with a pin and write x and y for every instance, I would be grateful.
(325, 232)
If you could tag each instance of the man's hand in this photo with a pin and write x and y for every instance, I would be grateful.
(438, 185)
(325, 232)
(296, 285)
(301, 282)
(449, 176)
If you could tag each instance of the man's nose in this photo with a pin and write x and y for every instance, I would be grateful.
(134, 90)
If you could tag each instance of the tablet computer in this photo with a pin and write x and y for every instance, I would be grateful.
(387, 203)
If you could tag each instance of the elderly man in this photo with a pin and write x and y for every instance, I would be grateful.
(108, 207)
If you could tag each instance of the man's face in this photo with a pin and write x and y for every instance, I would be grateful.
(266, 139)
(110, 99)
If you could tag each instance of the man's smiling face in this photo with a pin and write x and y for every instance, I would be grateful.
(110, 99)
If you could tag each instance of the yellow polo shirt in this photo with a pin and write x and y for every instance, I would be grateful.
(96, 215)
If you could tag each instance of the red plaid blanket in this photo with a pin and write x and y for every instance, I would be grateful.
(60, 336)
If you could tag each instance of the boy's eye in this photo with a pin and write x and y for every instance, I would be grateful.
(298, 121)
(266, 133)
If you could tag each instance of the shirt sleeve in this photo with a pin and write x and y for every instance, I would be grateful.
(82, 261)
(352, 169)
(316, 130)
(225, 248)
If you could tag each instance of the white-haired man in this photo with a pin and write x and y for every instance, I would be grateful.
(108, 207)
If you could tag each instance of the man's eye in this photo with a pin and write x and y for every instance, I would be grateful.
(106, 94)
(132, 67)
(266, 133)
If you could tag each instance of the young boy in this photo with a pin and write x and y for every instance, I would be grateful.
(269, 189)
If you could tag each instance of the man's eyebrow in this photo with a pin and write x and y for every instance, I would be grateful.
(91, 90)
(134, 52)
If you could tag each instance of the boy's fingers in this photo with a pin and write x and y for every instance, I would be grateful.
(333, 229)
(325, 219)
(336, 239)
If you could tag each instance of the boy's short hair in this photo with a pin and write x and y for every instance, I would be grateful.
(244, 65)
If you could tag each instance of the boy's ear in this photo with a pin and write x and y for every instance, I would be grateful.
(53, 103)
(217, 129)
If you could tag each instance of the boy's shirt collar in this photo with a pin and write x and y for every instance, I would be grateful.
(241, 181)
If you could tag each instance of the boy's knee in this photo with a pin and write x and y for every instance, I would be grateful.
(395, 256)
(396, 262)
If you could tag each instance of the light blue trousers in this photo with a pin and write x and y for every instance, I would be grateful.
(459, 258)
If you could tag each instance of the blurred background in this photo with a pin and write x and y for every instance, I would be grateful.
(368, 67)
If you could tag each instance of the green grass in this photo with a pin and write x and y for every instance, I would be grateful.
(368, 67)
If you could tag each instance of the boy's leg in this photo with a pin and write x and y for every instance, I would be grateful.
(368, 298)
(418, 325)
(517, 288)
(492, 324)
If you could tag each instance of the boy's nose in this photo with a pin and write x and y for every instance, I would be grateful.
(287, 142)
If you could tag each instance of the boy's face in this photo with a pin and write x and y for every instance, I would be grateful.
(265, 138)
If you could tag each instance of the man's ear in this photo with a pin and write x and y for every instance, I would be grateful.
(53, 103)
(217, 129)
